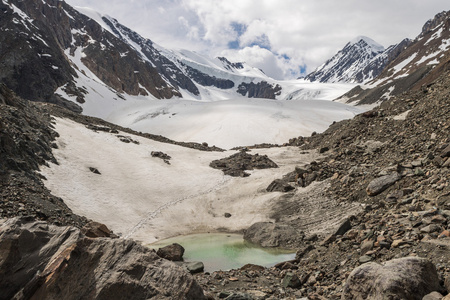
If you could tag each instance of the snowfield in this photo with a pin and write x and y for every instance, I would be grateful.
(231, 123)
(141, 197)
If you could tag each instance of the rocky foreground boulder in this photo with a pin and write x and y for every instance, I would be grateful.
(42, 261)
(403, 278)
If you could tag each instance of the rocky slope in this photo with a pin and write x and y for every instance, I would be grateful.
(26, 140)
(405, 215)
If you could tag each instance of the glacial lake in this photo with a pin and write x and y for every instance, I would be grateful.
(223, 251)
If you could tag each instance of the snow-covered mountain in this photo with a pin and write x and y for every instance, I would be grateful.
(54, 53)
(414, 66)
(91, 63)
(362, 59)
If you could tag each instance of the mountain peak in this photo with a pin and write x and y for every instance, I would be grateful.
(371, 43)
(360, 60)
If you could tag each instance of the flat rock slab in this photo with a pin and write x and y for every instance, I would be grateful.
(378, 185)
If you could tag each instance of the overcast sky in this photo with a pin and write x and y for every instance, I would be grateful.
(285, 38)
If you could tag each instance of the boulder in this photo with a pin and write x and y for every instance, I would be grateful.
(344, 227)
(194, 267)
(267, 234)
(291, 280)
(42, 261)
(378, 185)
(172, 252)
(95, 229)
(279, 185)
(403, 278)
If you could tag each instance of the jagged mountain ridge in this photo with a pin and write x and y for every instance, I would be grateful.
(360, 60)
(426, 57)
(71, 46)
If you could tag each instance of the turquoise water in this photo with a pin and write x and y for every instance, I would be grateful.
(221, 251)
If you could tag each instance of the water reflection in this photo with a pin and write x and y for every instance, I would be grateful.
(220, 251)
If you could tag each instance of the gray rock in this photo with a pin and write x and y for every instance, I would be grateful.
(236, 164)
(172, 252)
(38, 259)
(403, 278)
(267, 234)
(430, 228)
(239, 296)
(279, 185)
(291, 280)
(365, 259)
(194, 267)
(380, 184)
(433, 296)
(366, 246)
(344, 227)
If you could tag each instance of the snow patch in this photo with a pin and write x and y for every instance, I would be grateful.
(404, 63)
(402, 116)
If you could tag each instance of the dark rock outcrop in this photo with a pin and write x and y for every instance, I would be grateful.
(165, 157)
(236, 164)
(207, 80)
(403, 278)
(173, 252)
(229, 65)
(42, 261)
(259, 90)
(95, 229)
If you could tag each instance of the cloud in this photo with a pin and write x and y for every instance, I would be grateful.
(276, 66)
(301, 32)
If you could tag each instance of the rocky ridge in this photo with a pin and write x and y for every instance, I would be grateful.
(416, 63)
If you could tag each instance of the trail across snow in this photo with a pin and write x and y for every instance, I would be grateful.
(141, 197)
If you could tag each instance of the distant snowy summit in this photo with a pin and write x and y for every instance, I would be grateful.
(361, 60)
